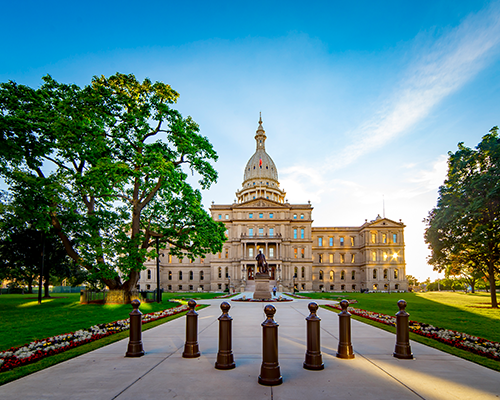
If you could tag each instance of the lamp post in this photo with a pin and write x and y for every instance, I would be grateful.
(158, 291)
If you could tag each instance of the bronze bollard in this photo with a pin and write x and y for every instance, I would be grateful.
(403, 349)
(345, 346)
(313, 354)
(225, 358)
(270, 374)
(135, 342)
(191, 349)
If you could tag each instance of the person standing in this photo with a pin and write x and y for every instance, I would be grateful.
(274, 291)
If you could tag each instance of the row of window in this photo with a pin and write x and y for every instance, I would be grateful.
(180, 288)
(260, 215)
(321, 259)
(260, 231)
(270, 251)
(330, 241)
(180, 260)
(385, 238)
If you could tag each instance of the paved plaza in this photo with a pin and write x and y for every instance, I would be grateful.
(163, 374)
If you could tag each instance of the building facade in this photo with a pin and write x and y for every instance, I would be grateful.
(332, 259)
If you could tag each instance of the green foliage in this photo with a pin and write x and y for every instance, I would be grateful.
(25, 321)
(463, 230)
(104, 166)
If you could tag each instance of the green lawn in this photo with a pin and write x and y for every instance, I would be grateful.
(469, 313)
(24, 321)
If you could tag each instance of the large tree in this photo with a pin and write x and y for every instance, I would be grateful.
(463, 230)
(107, 165)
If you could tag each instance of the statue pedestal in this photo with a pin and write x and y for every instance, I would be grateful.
(262, 291)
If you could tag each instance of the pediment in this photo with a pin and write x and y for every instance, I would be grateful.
(384, 223)
(260, 203)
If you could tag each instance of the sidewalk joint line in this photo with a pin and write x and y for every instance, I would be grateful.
(154, 366)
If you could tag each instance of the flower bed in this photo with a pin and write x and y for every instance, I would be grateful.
(17, 356)
(247, 299)
(460, 340)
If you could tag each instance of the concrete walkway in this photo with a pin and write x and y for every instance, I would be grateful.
(163, 374)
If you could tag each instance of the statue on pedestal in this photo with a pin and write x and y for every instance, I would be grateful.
(262, 263)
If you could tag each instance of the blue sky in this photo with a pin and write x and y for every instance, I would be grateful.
(361, 101)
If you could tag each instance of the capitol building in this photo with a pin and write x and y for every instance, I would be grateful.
(309, 258)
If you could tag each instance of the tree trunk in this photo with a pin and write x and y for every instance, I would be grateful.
(493, 289)
(30, 285)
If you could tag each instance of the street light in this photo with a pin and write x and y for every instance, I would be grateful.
(158, 292)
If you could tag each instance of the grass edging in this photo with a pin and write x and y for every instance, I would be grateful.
(19, 372)
(475, 358)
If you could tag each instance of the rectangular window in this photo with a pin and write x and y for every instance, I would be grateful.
(331, 258)
(302, 233)
(320, 258)
(250, 215)
(353, 275)
(295, 253)
(250, 231)
(295, 233)
(320, 241)
(250, 252)
(261, 215)
(271, 252)
(302, 251)
(261, 231)
(220, 216)
(374, 256)
(227, 253)
(352, 240)
(353, 257)
(226, 233)
(330, 241)
(385, 256)
(374, 237)
(342, 259)
(271, 215)
(170, 259)
(227, 216)
(341, 240)
(384, 238)
(394, 238)
(271, 231)
(180, 288)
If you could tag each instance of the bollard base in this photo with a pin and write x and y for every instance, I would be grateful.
(135, 350)
(270, 374)
(345, 352)
(191, 351)
(225, 361)
(403, 353)
(313, 362)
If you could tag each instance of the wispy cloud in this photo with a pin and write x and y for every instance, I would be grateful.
(435, 73)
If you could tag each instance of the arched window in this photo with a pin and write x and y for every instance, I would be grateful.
(295, 272)
(220, 272)
(180, 275)
(320, 275)
(201, 275)
(395, 274)
(191, 275)
(303, 272)
(385, 274)
(342, 275)
(331, 275)
(227, 272)
(169, 275)
(374, 274)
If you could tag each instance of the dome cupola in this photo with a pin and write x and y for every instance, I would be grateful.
(260, 178)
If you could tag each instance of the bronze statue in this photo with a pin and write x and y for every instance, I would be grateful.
(262, 263)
